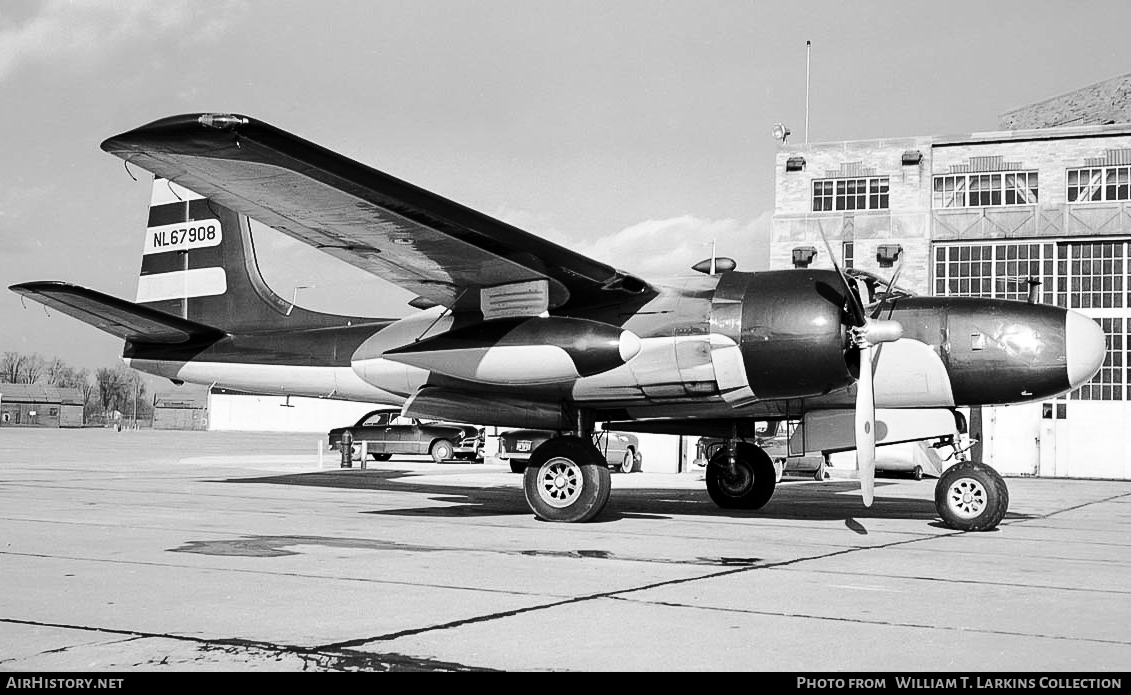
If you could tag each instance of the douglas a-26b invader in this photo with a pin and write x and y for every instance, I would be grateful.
(509, 329)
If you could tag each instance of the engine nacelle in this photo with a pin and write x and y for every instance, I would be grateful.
(789, 328)
(522, 350)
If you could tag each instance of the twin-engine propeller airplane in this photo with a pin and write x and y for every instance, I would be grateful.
(511, 330)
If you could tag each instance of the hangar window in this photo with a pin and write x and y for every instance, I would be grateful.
(851, 194)
(985, 189)
(1096, 184)
(994, 270)
(1091, 275)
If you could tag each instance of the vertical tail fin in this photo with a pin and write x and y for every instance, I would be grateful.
(198, 263)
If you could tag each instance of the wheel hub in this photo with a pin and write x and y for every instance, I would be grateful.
(967, 498)
(737, 480)
(560, 482)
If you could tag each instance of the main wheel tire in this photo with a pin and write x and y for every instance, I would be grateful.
(382, 457)
(628, 463)
(442, 450)
(567, 479)
(971, 496)
(749, 486)
(518, 466)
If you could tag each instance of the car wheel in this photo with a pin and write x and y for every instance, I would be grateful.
(382, 457)
(355, 452)
(971, 496)
(917, 474)
(441, 450)
(517, 465)
(628, 463)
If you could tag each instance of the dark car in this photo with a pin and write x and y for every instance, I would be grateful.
(386, 432)
(621, 450)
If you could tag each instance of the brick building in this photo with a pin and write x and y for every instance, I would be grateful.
(979, 215)
(35, 405)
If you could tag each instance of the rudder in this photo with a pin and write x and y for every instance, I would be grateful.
(198, 263)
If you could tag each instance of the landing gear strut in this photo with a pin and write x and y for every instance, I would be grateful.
(747, 483)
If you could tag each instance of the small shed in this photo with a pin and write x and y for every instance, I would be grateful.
(35, 405)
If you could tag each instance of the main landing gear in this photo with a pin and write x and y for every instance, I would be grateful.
(567, 479)
(747, 482)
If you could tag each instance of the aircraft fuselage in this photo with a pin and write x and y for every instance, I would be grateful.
(736, 345)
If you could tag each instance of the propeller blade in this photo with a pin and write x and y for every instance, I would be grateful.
(866, 427)
(855, 307)
(890, 290)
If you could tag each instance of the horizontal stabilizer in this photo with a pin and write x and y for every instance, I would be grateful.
(116, 316)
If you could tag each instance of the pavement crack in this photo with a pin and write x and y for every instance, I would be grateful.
(618, 593)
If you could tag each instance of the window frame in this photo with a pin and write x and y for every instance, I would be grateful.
(850, 194)
(1098, 190)
(985, 189)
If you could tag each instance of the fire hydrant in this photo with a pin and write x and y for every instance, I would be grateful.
(346, 446)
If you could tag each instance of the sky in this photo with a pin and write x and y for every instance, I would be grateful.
(634, 131)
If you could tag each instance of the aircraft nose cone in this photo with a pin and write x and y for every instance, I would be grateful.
(1085, 347)
(629, 345)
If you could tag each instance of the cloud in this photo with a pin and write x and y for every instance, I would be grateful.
(86, 30)
(655, 248)
(664, 247)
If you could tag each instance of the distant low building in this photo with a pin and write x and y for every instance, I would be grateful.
(35, 405)
(181, 411)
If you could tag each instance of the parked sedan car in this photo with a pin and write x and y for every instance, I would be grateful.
(621, 450)
(387, 432)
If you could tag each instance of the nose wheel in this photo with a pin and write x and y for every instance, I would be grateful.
(971, 496)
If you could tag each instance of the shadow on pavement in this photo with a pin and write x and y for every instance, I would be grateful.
(812, 501)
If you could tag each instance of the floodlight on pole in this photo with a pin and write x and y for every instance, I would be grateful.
(779, 132)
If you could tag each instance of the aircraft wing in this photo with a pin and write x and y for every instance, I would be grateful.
(116, 316)
(444, 252)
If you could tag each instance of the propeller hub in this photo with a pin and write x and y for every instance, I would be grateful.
(876, 331)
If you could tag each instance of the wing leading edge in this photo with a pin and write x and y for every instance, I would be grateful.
(427, 244)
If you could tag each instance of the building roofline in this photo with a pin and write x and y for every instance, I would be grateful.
(1058, 133)
(985, 137)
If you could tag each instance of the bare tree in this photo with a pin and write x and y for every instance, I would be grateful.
(12, 368)
(56, 371)
(33, 369)
(110, 388)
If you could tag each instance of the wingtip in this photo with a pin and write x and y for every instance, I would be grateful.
(185, 127)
